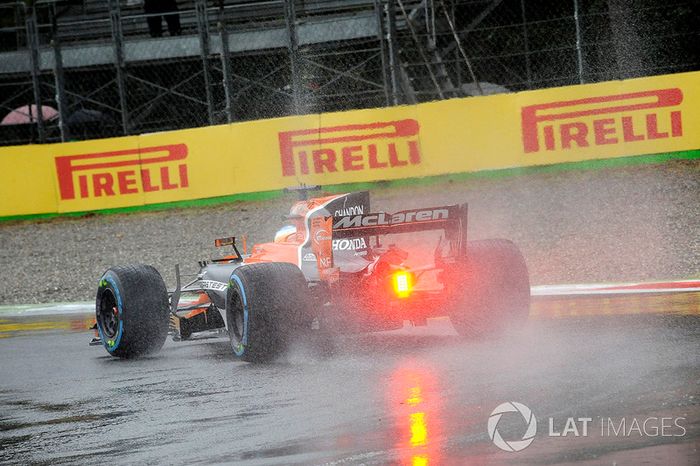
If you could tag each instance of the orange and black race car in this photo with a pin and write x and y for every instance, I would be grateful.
(334, 266)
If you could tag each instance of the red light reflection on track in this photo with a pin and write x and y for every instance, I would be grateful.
(414, 398)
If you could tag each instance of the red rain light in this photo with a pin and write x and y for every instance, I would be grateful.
(402, 282)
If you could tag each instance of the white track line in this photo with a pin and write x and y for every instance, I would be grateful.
(683, 286)
(56, 309)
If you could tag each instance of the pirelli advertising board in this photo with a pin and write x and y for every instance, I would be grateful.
(613, 119)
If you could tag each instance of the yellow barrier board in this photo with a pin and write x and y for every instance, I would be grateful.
(614, 119)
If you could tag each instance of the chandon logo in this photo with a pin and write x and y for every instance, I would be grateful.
(352, 210)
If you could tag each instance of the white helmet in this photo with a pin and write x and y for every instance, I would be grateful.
(284, 233)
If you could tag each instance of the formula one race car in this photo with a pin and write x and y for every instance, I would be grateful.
(333, 267)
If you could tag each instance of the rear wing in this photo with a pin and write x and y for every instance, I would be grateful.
(452, 219)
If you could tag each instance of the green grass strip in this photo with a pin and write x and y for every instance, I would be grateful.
(423, 181)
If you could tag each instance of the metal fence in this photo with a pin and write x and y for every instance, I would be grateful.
(99, 68)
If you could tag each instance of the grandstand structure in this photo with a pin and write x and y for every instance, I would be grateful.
(96, 63)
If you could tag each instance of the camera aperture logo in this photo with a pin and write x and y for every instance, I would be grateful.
(530, 421)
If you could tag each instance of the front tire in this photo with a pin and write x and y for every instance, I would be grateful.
(131, 310)
(493, 289)
(266, 305)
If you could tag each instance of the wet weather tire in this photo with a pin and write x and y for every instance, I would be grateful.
(493, 289)
(266, 305)
(132, 311)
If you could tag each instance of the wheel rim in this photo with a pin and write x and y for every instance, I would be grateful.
(236, 321)
(108, 316)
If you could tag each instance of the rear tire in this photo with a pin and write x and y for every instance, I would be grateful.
(493, 289)
(266, 305)
(132, 311)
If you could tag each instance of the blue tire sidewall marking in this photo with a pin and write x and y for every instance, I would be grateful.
(240, 349)
(118, 339)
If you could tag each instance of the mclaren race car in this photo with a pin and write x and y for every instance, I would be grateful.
(334, 267)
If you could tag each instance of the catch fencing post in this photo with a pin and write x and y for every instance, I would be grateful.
(383, 51)
(393, 56)
(226, 64)
(526, 40)
(291, 19)
(33, 42)
(203, 28)
(115, 17)
(59, 80)
(579, 53)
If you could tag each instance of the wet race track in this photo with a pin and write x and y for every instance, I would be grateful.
(415, 396)
(612, 379)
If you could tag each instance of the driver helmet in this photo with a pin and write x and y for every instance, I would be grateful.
(284, 233)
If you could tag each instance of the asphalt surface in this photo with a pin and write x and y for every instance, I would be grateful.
(581, 226)
(415, 396)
